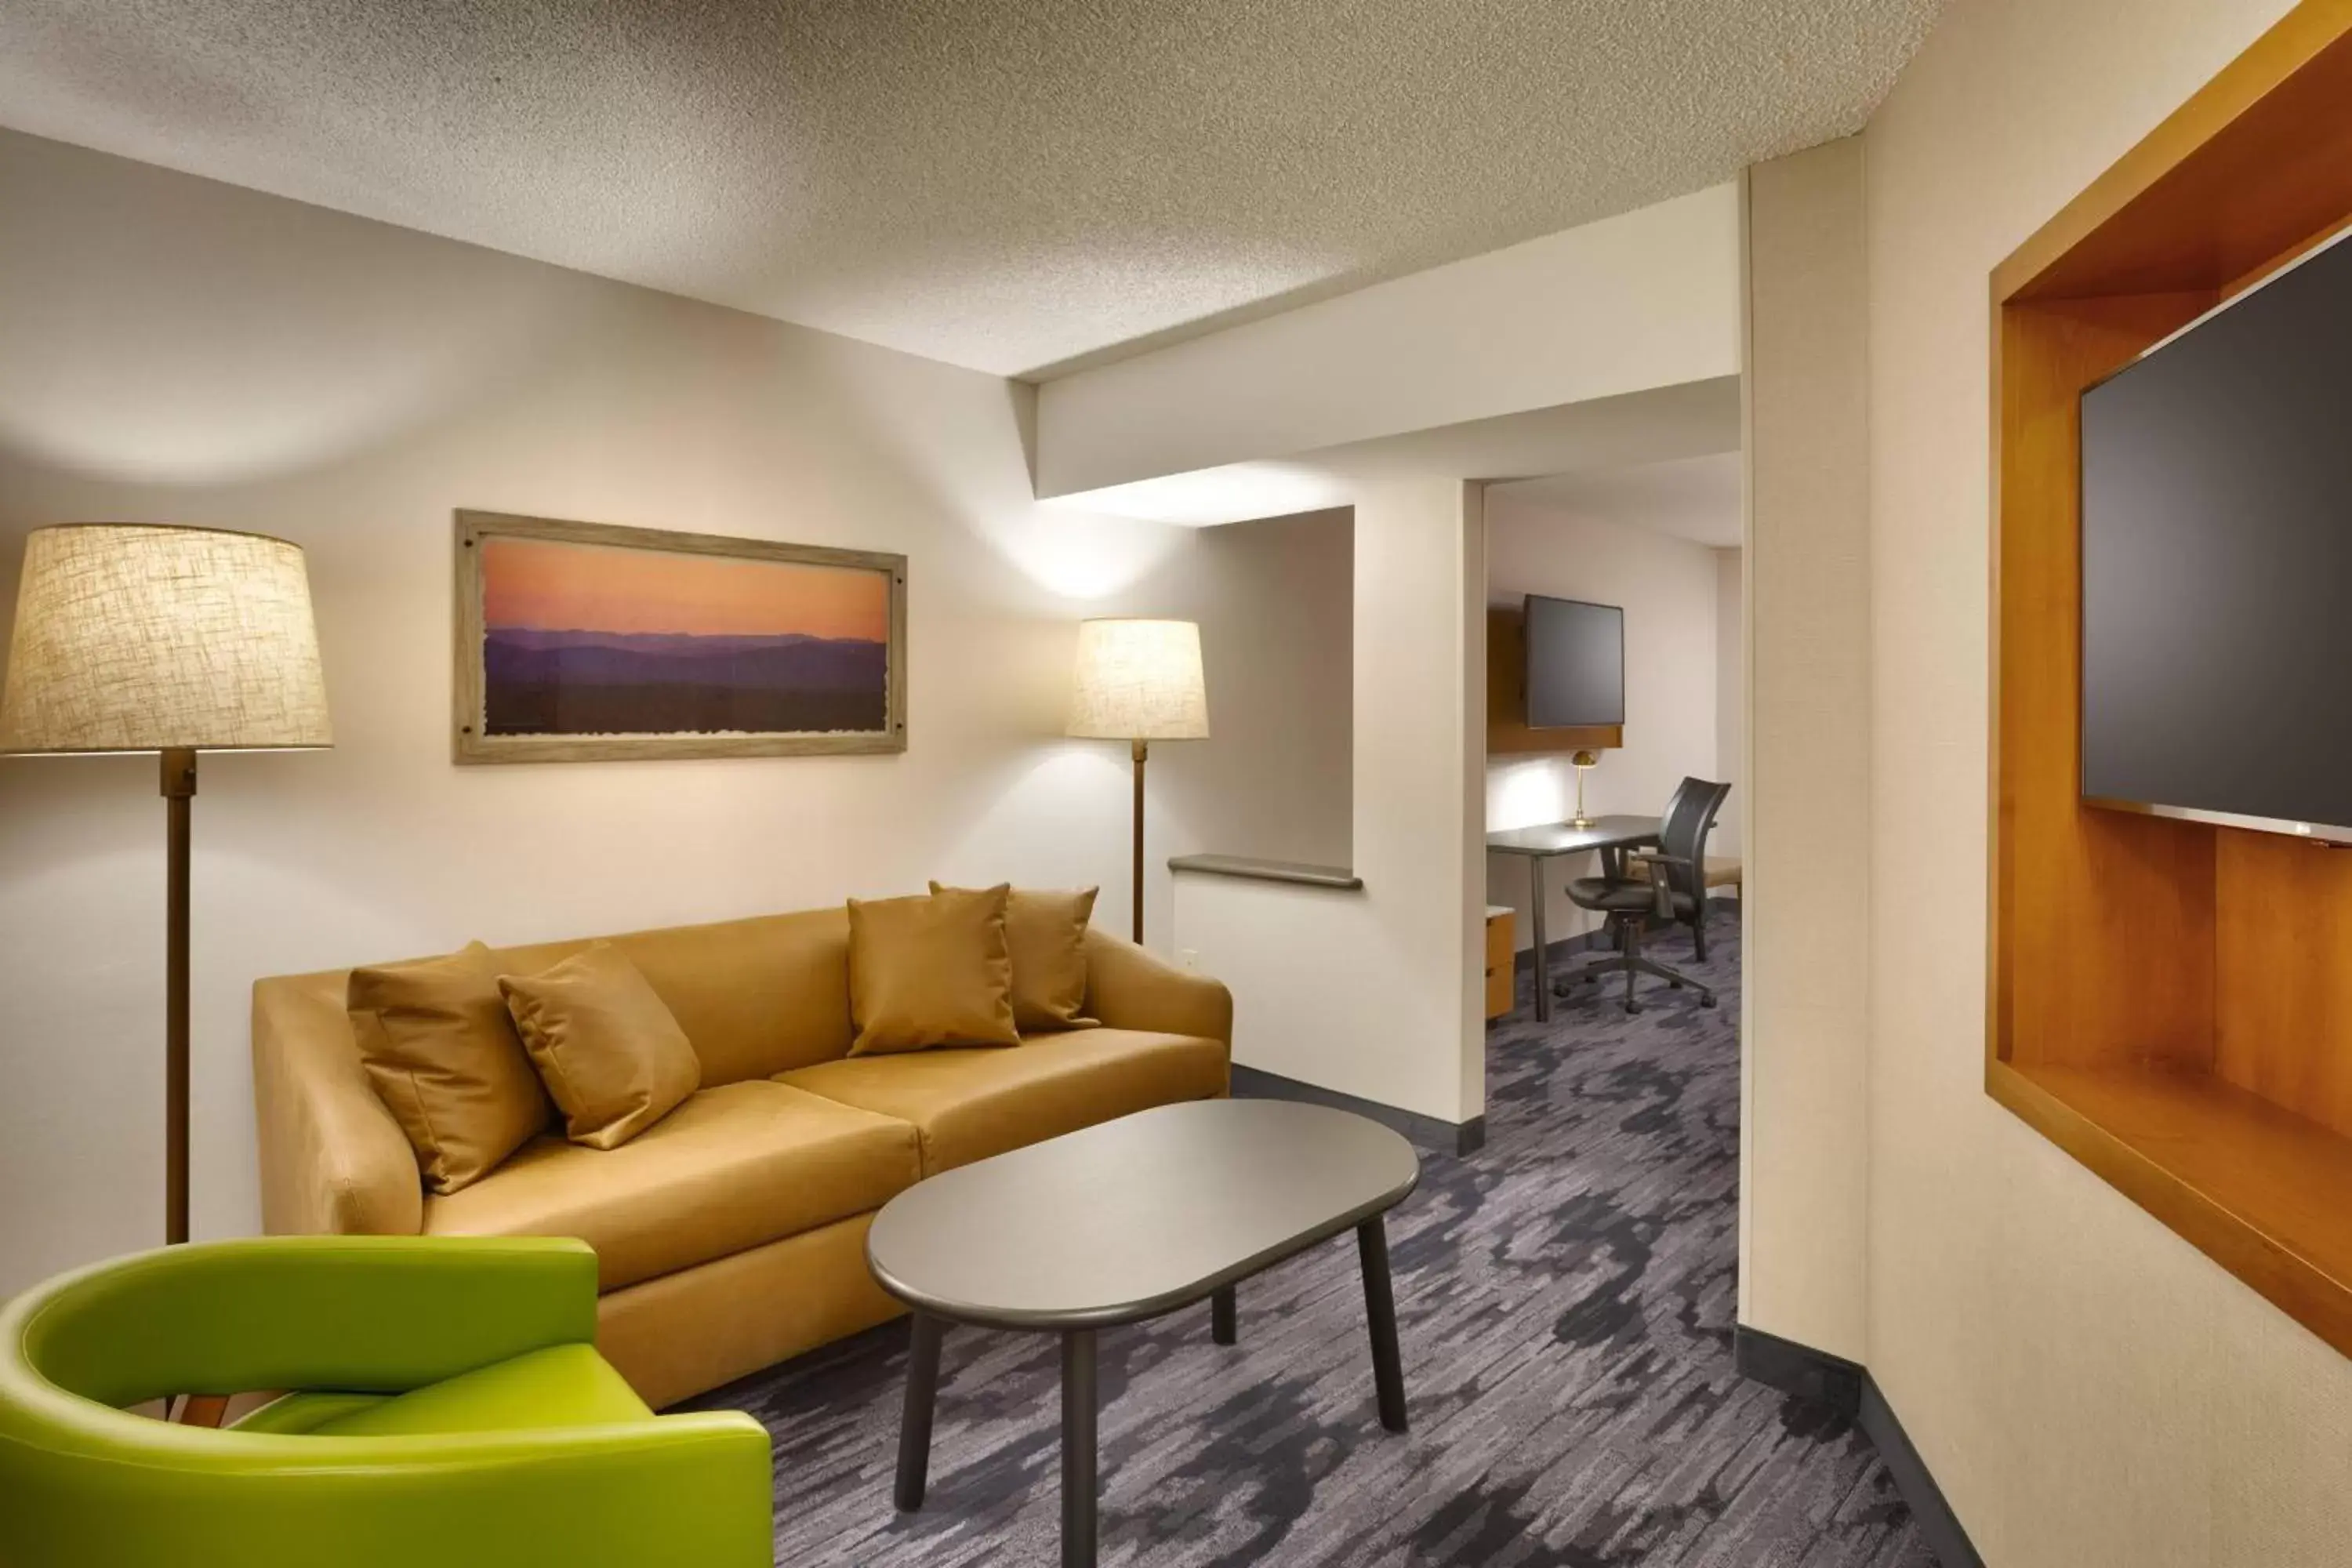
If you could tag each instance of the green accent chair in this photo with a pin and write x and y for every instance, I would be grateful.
(450, 1410)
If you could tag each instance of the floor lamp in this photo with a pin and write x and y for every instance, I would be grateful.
(132, 637)
(1140, 682)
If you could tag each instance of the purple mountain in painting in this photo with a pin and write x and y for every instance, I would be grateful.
(677, 660)
(589, 682)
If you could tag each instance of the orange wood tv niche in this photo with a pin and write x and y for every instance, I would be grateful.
(2170, 1001)
(1507, 696)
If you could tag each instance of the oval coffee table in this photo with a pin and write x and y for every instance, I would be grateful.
(1125, 1221)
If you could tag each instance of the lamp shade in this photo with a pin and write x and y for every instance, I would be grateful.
(132, 638)
(1139, 681)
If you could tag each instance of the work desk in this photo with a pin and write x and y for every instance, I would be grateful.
(1549, 840)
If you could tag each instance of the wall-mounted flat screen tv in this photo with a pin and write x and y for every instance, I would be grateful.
(2217, 564)
(1576, 663)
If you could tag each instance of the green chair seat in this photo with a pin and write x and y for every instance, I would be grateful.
(563, 1385)
(449, 1407)
(306, 1410)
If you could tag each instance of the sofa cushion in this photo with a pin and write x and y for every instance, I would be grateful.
(969, 1104)
(605, 1045)
(1046, 937)
(755, 996)
(444, 1057)
(732, 1168)
(930, 971)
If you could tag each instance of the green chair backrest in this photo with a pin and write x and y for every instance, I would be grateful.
(86, 1483)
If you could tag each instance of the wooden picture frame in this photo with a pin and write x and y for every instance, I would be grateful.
(779, 650)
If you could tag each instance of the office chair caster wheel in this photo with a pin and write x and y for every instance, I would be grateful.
(1632, 1008)
(1675, 985)
(1707, 1000)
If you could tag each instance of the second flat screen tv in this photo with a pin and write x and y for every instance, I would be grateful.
(2217, 564)
(1576, 663)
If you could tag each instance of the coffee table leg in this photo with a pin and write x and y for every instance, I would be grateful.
(1224, 1319)
(1078, 1449)
(915, 1423)
(1380, 1308)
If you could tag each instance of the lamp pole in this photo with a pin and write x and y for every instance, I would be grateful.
(179, 786)
(1142, 750)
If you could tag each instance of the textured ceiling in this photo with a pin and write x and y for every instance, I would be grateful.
(1011, 185)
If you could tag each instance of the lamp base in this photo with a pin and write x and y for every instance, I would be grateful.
(1581, 821)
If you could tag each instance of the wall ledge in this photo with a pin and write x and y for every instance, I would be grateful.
(1257, 871)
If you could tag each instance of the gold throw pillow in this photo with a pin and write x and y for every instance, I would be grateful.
(1046, 936)
(930, 972)
(605, 1045)
(442, 1053)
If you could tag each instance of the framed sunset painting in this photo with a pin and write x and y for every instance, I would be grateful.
(586, 642)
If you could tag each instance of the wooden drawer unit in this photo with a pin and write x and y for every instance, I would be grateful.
(1500, 961)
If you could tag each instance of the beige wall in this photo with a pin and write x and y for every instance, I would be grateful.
(1646, 298)
(1668, 588)
(1376, 993)
(1275, 602)
(2090, 1392)
(183, 351)
(1803, 1191)
(1731, 694)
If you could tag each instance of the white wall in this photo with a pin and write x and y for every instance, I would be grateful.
(1645, 299)
(2090, 1390)
(1669, 589)
(1377, 993)
(182, 351)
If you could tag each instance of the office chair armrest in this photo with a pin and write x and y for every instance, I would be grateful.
(1662, 896)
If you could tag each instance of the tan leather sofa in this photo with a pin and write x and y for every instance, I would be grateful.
(730, 1234)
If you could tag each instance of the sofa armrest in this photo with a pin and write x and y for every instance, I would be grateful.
(1129, 987)
(334, 1160)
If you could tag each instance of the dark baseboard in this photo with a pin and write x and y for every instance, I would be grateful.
(1429, 1131)
(1937, 1522)
(1848, 1388)
(1798, 1369)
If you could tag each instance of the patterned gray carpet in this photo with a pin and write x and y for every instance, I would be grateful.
(1565, 1297)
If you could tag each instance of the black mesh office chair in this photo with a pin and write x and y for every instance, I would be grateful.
(1675, 889)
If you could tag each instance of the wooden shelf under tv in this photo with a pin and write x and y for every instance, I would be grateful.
(2261, 1191)
(1507, 698)
(2169, 1001)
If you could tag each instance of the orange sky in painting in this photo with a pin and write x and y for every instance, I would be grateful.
(549, 586)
